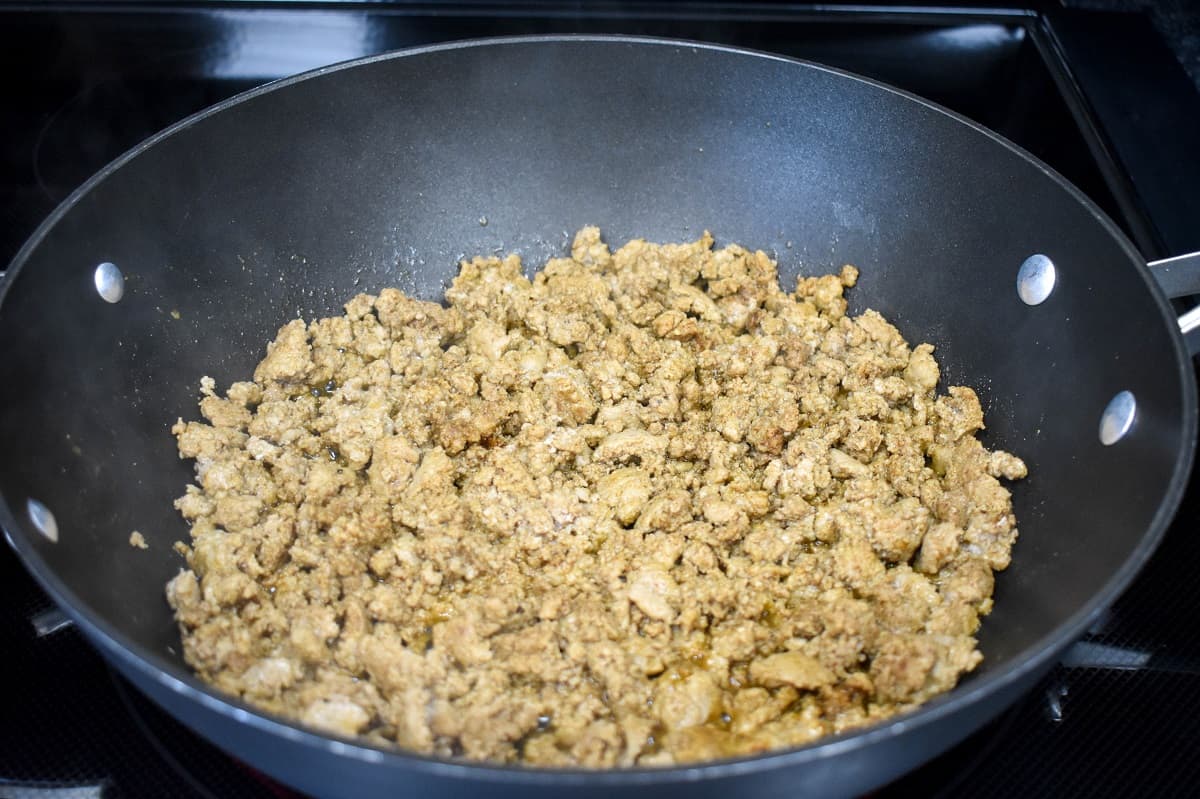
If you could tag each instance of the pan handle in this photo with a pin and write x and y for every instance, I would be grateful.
(1180, 277)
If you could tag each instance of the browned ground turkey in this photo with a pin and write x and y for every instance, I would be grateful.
(645, 509)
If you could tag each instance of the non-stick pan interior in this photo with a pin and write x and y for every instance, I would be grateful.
(385, 174)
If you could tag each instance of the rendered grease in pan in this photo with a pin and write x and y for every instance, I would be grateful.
(646, 509)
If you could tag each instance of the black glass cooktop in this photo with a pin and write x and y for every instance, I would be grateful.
(1095, 95)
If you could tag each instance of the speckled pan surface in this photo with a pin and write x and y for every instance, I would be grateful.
(291, 199)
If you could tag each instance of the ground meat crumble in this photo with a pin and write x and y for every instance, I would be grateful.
(646, 508)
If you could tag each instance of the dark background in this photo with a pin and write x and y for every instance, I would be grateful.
(1177, 21)
(1118, 717)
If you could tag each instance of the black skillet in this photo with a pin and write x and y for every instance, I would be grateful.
(291, 198)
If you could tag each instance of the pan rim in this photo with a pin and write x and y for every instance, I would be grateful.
(172, 676)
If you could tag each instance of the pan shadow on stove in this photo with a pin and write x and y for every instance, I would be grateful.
(1115, 718)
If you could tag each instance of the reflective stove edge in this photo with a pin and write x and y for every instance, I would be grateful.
(1115, 716)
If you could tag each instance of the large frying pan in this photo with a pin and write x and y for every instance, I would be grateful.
(289, 199)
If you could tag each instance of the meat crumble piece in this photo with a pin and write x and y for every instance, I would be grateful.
(645, 508)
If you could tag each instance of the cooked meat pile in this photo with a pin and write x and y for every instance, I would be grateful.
(646, 508)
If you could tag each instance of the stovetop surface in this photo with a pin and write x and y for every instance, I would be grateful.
(85, 83)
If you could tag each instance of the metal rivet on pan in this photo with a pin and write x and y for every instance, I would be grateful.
(1117, 418)
(1035, 279)
(110, 283)
(42, 519)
